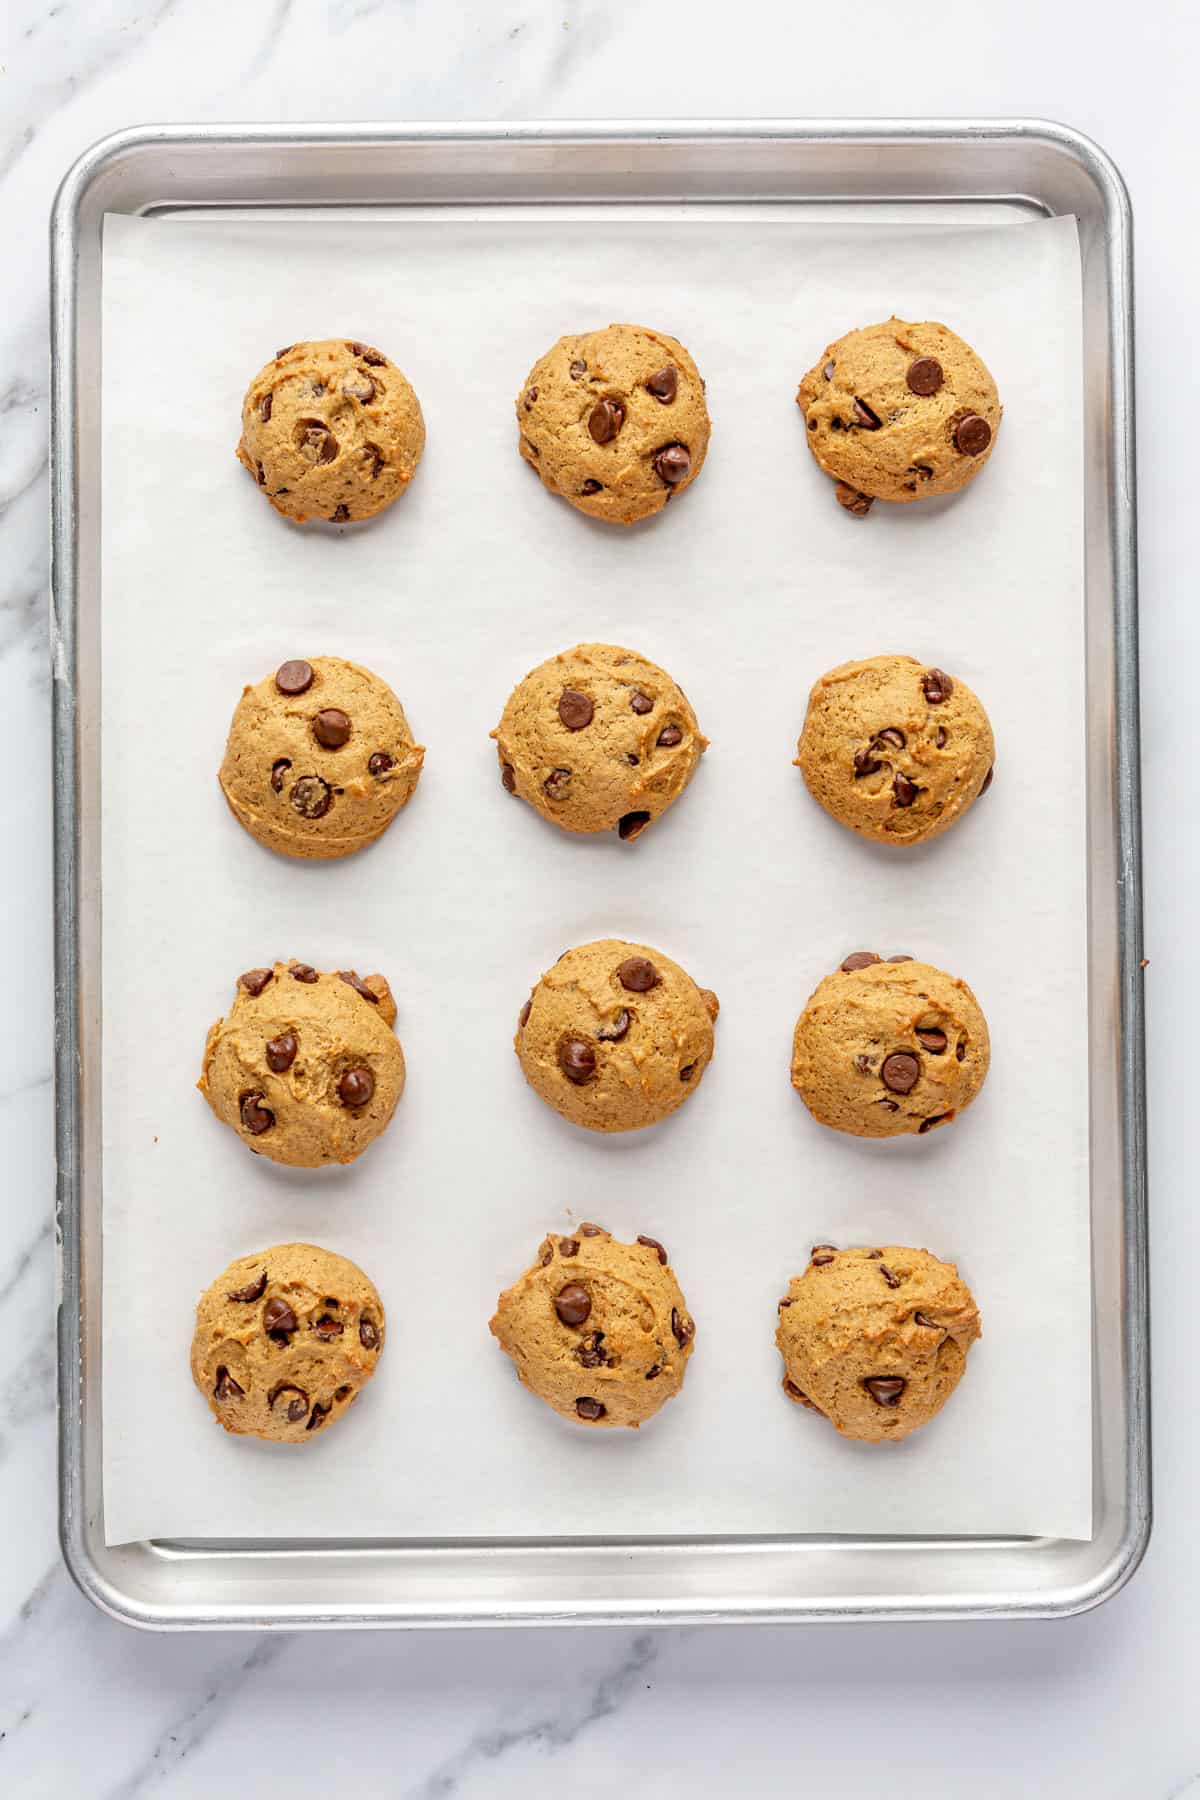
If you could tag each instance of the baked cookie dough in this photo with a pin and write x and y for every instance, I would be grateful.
(331, 430)
(597, 1329)
(615, 1036)
(319, 759)
(885, 1048)
(306, 1066)
(598, 739)
(615, 421)
(899, 411)
(895, 749)
(285, 1341)
(876, 1340)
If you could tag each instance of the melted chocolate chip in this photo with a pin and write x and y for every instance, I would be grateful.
(885, 1389)
(379, 763)
(920, 1319)
(932, 1040)
(368, 1334)
(632, 824)
(858, 505)
(587, 1229)
(253, 1290)
(577, 1060)
(294, 677)
(311, 797)
(523, 1015)
(865, 764)
(937, 1119)
(637, 975)
(572, 1303)
(904, 790)
(278, 1319)
(358, 984)
(591, 486)
(819, 1262)
(687, 1071)
(317, 1416)
(568, 1246)
(264, 407)
(924, 376)
(256, 1118)
(278, 770)
(304, 972)
(613, 1032)
(578, 370)
(605, 420)
(587, 1408)
(683, 1329)
(359, 387)
(653, 1244)
(314, 439)
(575, 709)
(893, 1281)
(664, 385)
(672, 463)
(340, 515)
(900, 1072)
(375, 359)
(641, 703)
(892, 736)
(669, 736)
(508, 779)
(356, 1087)
(327, 1328)
(331, 728)
(556, 783)
(936, 686)
(866, 415)
(281, 1053)
(987, 780)
(255, 980)
(227, 1388)
(972, 435)
(858, 959)
(827, 371)
(530, 397)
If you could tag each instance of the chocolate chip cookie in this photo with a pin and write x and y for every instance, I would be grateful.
(899, 411)
(331, 430)
(285, 1342)
(615, 1036)
(319, 759)
(615, 421)
(885, 1048)
(598, 739)
(597, 1329)
(875, 1339)
(895, 749)
(306, 1066)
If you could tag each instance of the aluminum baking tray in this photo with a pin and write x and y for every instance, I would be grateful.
(954, 169)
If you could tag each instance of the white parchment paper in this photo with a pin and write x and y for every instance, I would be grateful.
(746, 590)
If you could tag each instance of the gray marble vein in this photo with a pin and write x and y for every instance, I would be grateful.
(27, 1257)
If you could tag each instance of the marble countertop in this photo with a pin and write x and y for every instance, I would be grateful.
(1101, 1706)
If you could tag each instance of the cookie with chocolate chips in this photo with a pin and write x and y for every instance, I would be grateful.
(331, 430)
(615, 1036)
(285, 1342)
(895, 749)
(306, 1066)
(614, 421)
(598, 739)
(888, 1048)
(875, 1339)
(319, 759)
(899, 411)
(597, 1329)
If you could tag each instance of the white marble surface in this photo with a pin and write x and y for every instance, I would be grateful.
(1101, 1706)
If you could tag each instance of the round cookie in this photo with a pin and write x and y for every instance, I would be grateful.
(285, 1341)
(886, 1048)
(615, 421)
(876, 1340)
(331, 430)
(894, 749)
(615, 1036)
(306, 1066)
(319, 758)
(598, 739)
(597, 1329)
(899, 411)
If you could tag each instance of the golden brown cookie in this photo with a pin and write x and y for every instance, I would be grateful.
(331, 430)
(285, 1341)
(615, 421)
(598, 739)
(615, 1036)
(885, 1048)
(306, 1066)
(319, 759)
(597, 1329)
(876, 1340)
(899, 411)
(894, 749)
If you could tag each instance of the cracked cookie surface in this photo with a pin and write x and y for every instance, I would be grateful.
(597, 1329)
(615, 1036)
(894, 749)
(319, 758)
(876, 1339)
(305, 1066)
(598, 739)
(888, 1048)
(285, 1342)
(331, 429)
(615, 421)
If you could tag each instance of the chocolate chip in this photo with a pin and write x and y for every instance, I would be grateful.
(892, 736)
(885, 1389)
(637, 975)
(375, 457)
(340, 515)
(924, 376)
(360, 388)
(568, 1246)
(279, 354)
(972, 435)
(859, 505)
(786, 1301)
(315, 440)
(653, 1244)
(937, 1119)
(327, 1328)
(331, 727)
(712, 1005)
(641, 703)
(987, 780)
(577, 1060)
(278, 1319)
(578, 370)
(904, 790)
(813, 423)
(669, 736)
(682, 1328)
(960, 1050)
(893, 1281)
(587, 1229)
(358, 984)
(508, 779)
(874, 1255)
(587, 1408)
(380, 762)
(572, 1303)
(575, 709)
(864, 764)
(356, 1087)
(303, 972)
(653, 1370)
(606, 419)
(687, 1071)
(281, 1053)
(556, 783)
(903, 957)
(375, 359)
(590, 1354)
(278, 770)
(615, 1031)
(294, 677)
(256, 1117)
(632, 824)
(920, 1319)
(591, 486)
(936, 686)
(924, 470)
(368, 1334)
(867, 417)
(932, 1040)
(255, 980)
(863, 1064)
(253, 1290)
(264, 407)
(672, 463)
(942, 735)
(311, 797)
(900, 1071)
(858, 959)
(530, 396)
(316, 1417)
(819, 1262)
(827, 371)
(523, 1015)
(297, 1406)
(664, 385)
(227, 1388)
(631, 759)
